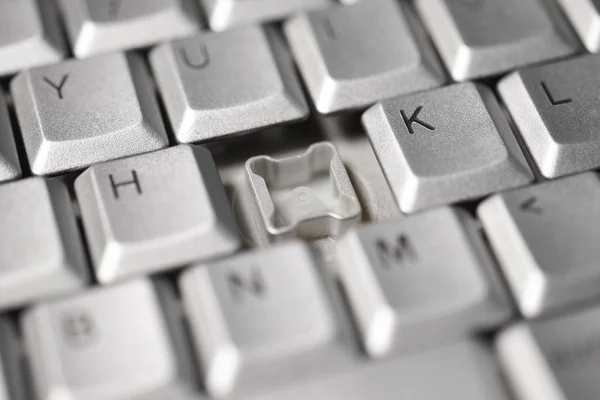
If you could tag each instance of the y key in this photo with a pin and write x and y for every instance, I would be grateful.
(82, 112)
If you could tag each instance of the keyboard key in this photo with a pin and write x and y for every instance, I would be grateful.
(41, 252)
(82, 112)
(555, 359)
(29, 35)
(555, 109)
(254, 317)
(544, 238)
(96, 27)
(420, 280)
(12, 385)
(155, 211)
(350, 62)
(108, 344)
(211, 87)
(465, 371)
(9, 161)
(307, 196)
(477, 38)
(223, 14)
(445, 145)
(585, 17)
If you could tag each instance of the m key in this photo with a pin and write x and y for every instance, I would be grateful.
(445, 145)
(420, 281)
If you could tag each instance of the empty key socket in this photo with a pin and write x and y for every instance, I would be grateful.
(309, 195)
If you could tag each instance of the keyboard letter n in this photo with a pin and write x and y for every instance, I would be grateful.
(395, 252)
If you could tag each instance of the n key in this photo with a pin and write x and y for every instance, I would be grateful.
(83, 112)
(253, 317)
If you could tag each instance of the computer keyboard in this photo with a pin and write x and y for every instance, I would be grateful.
(299, 199)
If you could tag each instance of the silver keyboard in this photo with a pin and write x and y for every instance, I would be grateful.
(299, 199)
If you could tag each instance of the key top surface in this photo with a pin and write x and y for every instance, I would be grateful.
(584, 16)
(349, 62)
(486, 37)
(544, 237)
(108, 344)
(420, 280)
(445, 145)
(41, 252)
(257, 321)
(29, 35)
(465, 371)
(555, 359)
(555, 109)
(219, 84)
(87, 111)
(223, 14)
(96, 27)
(9, 160)
(155, 211)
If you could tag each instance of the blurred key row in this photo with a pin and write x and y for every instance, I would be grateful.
(422, 287)
(474, 38)
(347, 61)
(210, 88)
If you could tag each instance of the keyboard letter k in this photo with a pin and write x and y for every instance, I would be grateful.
(415, 118)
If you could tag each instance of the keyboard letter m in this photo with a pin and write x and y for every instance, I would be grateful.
(394, 252)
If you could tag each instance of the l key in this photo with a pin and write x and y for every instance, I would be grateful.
(555, 108)
(445, 145)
